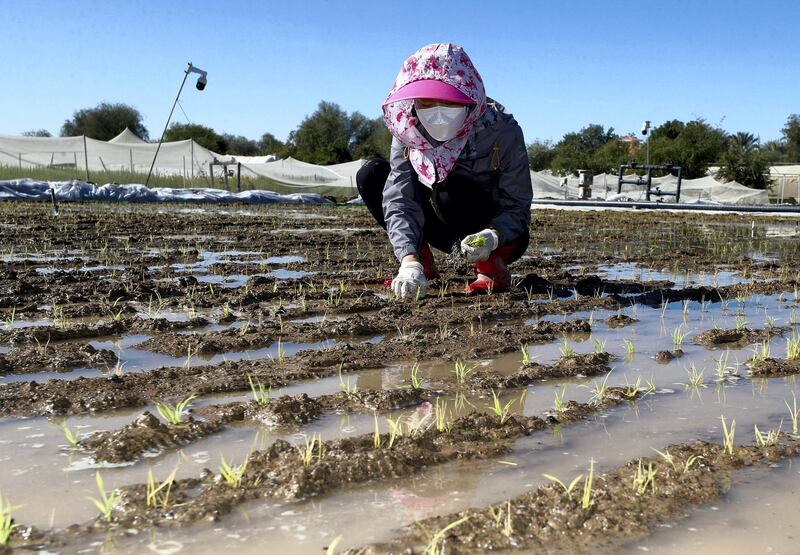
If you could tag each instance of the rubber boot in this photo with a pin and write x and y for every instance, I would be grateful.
(492, 274)
(428, 264)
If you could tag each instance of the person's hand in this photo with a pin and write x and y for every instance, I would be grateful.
(410, 282)
(478, 246)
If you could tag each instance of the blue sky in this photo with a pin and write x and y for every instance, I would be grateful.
(557, 66)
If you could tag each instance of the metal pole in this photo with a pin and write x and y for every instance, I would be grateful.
(184, 172)
(647, 142)
(86, 158)
(192, 145)
(238, 177)
(19, 156)
(130, 150)
(149, 173)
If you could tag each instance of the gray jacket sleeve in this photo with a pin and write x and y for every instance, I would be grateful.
(401, 206)
(515, 190)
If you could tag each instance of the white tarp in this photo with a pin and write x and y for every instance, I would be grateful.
(27, 189)
(127, 137)
(604, 186)
(337, 179)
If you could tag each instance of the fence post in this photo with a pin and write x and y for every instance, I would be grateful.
(238, 177)
(133, 170)
(184, 172)
(86, 158)
(192, 145)
(19, 156)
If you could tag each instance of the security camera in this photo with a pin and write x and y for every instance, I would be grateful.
(202, 81)
(645, 126)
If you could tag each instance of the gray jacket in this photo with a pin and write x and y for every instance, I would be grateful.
(403, 212)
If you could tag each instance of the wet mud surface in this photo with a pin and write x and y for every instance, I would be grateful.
(292, 295)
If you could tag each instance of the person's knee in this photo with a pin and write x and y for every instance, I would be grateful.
(371, 177)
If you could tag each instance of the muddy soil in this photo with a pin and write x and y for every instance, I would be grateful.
(733, 338)
(620, 509)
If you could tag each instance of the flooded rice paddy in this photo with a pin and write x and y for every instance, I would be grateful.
(349, 421)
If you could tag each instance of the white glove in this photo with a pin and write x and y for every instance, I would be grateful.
(410, 282)
(478, 246)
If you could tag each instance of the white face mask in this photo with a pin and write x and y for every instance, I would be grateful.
(443, 122)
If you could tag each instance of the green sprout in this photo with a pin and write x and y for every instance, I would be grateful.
(307, 450)
(462, 371)
(7, 525)
(232, 474)
(261, 394)
(107, 501)
(348, 387)
(440, 410)
(793, 346)
(526, 356)
(433, 545)
(793, 412)
(629, 348)
(644, 478)
(477, 242)
(565, 349)
(599, 346)
(376, 437)
(677, 337)
(567, 489)
(690, 462)
(332, 545)
(727, 435)
(415, 381)
(158, 496)
(72, 437)
(173, 414)
(501, 411)
(766, 439)
(558, 403)
(395, 429)
(586, 499)
(599, 390)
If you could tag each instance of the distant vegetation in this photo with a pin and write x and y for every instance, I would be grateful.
(330, 136)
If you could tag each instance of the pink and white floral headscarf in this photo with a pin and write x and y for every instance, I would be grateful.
(444, 62)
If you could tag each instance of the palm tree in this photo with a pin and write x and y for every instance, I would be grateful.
(744, 142)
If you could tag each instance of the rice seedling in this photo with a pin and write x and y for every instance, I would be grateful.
(8, 323)
(107, 500)
(727, 435)
(376, 435)
(631, 390)
(306, 451)
(477, 242)
(501, 411)
(332, 546)
(189, 354)
(644, 478)
(567, 489)
(261, 394)
(72, 437)
(695, 378)
(558, 403)
(599, 347)
(232, 474)
(677, 337)
(59, 318)
(173, 414)
(158, 495)
(630, 349)
(586, 499)
(416, 383)
(793, 346)
(462, 371)
(348, 387)
(443, 425)
(395, 429)
(408, 335)
(766, 439)
(721, 367)
(667, 456)
(761, 353)
(526, 356)
(432, 548)
(507, 529)
(444, 332)
(7, 524)
(793, 412)
(566, 349)
(599, 389)
(741, 323)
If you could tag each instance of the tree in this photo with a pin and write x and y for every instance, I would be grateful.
(369, 137)
(791, 134)
(610, 156)
(202, 135)
(238, 144)
(323, 137)
(540, 154)
(105, 121)
(37, 133)
(575, 151)
(744, 163)
(774, 151)
(268, 144)
(693, 146)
